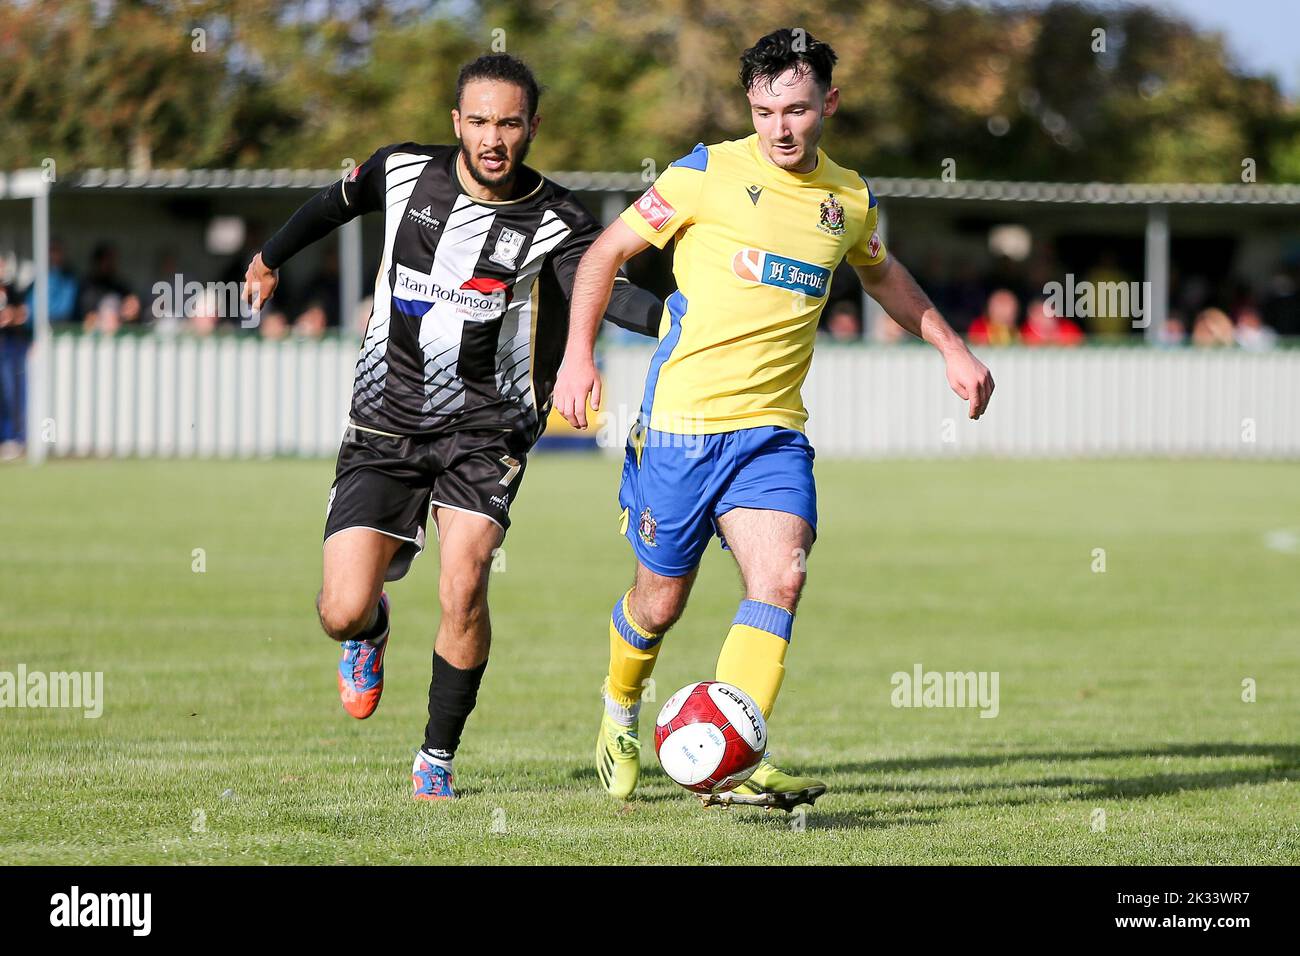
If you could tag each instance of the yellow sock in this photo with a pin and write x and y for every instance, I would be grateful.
(632, 653)
(753, 656)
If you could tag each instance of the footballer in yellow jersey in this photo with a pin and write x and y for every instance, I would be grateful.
(718, 448)
(756, 246)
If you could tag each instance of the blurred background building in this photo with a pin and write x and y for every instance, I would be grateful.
(174, 137)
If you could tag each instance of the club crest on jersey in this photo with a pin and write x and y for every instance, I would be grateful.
(831, 219)
(507, 250)
(767, 268)
(646, 528)
(654, 210)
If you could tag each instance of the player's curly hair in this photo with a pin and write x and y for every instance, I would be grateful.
(782, 49)
(504, 67)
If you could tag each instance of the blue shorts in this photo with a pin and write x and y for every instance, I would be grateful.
(677, 487)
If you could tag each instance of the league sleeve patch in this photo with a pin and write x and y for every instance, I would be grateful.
(654, 210)
(873, 245)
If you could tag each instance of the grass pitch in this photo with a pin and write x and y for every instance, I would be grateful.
(222, 739)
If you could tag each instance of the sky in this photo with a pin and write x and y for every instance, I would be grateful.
(1263, 35)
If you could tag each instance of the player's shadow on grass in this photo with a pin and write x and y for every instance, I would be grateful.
(1121, 784)
(925, 811)
(828, 819)
(1288, 754)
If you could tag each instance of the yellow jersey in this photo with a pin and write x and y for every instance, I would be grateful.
(756, 246)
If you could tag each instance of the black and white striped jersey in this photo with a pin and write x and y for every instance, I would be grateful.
(471, 298)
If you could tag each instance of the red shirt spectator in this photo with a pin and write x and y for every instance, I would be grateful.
(1044, 327)
(997, 326)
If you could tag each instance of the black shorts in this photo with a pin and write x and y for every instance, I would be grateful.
(387, 483)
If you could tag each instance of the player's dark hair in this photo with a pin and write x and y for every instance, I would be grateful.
(504, 67)
(782, 49)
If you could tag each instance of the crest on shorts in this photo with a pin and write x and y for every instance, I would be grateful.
(646, 527)
(831, 219)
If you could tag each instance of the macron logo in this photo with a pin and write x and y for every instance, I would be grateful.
(103, 909)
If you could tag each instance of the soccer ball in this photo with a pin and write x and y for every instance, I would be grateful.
(710, 736)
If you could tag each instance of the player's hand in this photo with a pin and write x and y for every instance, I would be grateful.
(577, 379)
(969, 379)
(259, 283)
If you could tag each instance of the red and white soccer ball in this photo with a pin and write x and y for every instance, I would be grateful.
(710, 736)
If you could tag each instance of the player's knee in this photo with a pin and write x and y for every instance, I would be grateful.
(462, 594)
(783, 590)
(341, 617)
(657, 610)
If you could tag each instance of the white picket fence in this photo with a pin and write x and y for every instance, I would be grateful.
(231, 397)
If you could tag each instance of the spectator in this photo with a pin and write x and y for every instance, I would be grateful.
(63, 288)
(320, 300)
(1212, 328)
(844, 323)
(167, 313)
(1044, 327)
(205, 314)
(1251, 332)
(997, 326)
(888, 332)
(15, 337)
(1282, 306)
(1174, 330)
(106, 302)
(965, 297)
(1102, 324)
(273, 326)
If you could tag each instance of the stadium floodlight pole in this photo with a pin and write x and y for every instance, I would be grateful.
(1157, 271)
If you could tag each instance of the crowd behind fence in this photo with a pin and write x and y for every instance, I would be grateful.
(245, 397)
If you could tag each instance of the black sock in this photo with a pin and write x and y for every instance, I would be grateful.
(380, 625)
(452, 694)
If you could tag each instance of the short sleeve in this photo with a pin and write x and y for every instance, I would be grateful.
(869, 250)
(672, 202)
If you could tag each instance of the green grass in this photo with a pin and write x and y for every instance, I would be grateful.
(1119, 690)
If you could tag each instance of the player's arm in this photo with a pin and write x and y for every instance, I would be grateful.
(661, 213)
(593, 285)
(361, 191)
(634, 308)
(890, 284)
(887, 281)
(630, 306)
